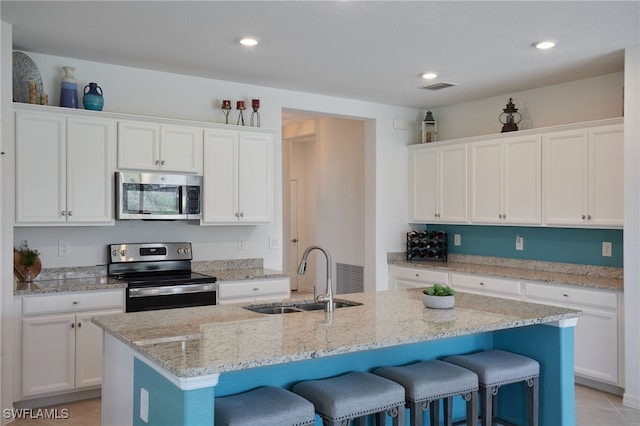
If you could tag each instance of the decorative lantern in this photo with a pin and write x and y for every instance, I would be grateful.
(428, 128)
(510, 117)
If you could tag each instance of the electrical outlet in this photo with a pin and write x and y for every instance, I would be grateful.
(606, 249)
(144, 405)
(63, 248)
(274, 243)
(457, 240)
(241, 243)
(519, 242)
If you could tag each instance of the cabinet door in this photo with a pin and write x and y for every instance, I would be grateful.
(454, 184)
(486, 182)
(90, 167)
(255, 178)
(89, 349)
(522, 181)
(596, 344)
(606, 179)
(138, 145)
(565, 177)
(181, 149)
(48, 354)
(40, 168)
(423, 185)
(220, 182)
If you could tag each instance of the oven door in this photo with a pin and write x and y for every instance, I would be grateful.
(171, 296)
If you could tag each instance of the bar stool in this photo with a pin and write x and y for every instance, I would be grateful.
(352, 396)
(496, 368)
(267, 405)
(427, 382)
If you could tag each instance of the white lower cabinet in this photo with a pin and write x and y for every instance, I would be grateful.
(597, 334)
(402, 278)
(61, 349)
(253, 290)
(487, 286)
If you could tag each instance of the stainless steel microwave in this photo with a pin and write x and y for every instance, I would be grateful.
(158, 196)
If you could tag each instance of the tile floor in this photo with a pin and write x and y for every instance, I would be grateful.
(593, 408)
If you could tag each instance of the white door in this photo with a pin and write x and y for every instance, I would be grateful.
(181, 149)
(294, 237)
(48, 355)
(91, 145)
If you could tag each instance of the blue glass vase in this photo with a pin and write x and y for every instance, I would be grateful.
(93, 98)
(69, 89)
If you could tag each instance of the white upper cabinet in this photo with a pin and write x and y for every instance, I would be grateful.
(583, 177)
(156, 147)
(438, 183)
(238, 177)
(506, 181)
(64, 169)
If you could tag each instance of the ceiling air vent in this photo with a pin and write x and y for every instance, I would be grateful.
(438, 86)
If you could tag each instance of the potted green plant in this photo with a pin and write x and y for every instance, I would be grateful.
(28, 258)
(438, 296)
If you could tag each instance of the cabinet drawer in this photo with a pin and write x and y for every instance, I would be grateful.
(488, 285)
(253, 288)
(72, 302)
(421, 275)
(567, 295)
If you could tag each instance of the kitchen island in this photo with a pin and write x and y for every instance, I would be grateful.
(165, 367)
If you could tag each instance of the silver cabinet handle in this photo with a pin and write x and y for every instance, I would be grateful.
(64, 213)
(157, 162)
(70, 213)
(162, 162)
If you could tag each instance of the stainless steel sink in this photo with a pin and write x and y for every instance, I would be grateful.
(301, 306)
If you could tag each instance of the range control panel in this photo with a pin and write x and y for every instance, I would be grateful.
(148, 252)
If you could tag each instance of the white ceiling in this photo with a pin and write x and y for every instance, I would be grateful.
(368, 50)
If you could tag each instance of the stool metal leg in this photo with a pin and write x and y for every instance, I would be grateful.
(434, 408)
(447, 405)
(415, 412)
(472, 408)
(532, 392)
(397, 415)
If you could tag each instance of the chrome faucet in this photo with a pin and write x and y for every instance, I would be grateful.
(327, 298)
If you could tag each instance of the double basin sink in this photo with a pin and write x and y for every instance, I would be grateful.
(300, 306)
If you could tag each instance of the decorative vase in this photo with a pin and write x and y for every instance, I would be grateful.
(69, 89)
(438, 302)
(93, 98)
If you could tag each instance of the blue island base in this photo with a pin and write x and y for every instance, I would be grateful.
(550, 345)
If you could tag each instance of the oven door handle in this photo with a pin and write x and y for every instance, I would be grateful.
(171, 290)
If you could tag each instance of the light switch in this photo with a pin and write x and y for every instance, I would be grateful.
(606, 248)
(519, 242)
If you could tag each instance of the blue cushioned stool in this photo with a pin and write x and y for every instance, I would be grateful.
(427, 382)
(266, 406)
(353, 396)
(496, 368)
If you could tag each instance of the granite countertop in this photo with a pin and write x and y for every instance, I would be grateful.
(61, 280)
(608, 278)
(192, 342)
(67, 284)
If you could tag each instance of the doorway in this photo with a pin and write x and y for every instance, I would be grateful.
(323, 196)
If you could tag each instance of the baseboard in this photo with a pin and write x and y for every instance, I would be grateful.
(605, 387)
(48, 401)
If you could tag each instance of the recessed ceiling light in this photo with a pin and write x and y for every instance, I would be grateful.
(544, 44)
(248, 41)
(429, 75)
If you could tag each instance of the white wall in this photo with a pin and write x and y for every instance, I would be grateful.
(632, 228)
(582, 100)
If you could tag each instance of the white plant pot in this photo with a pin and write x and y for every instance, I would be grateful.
(438, 302)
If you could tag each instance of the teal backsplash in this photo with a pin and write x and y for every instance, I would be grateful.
(566, 245)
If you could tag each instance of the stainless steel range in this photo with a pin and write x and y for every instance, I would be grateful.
(159, 276)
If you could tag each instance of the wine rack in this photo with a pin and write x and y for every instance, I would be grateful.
(427, 246)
